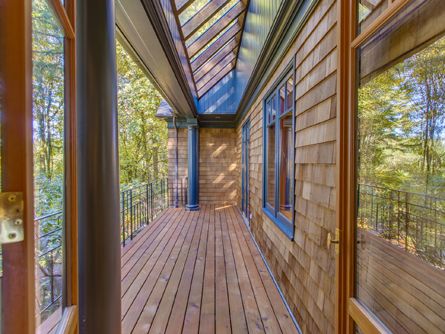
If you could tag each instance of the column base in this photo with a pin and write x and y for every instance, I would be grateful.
(192, 207)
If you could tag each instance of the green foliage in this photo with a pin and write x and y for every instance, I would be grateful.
(401, 132)
(402, 123)
(142, 136)
(48, 109)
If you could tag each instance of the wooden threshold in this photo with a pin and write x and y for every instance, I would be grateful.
(191, 272)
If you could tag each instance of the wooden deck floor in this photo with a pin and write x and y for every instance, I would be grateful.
(199, 272)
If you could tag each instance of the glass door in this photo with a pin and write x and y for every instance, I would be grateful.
(245, 169)
(48, 58)
(37, 169)
(398, 174)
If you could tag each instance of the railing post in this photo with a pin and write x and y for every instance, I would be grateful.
(147, 219)
(165, 194)
(398, 217)
(151, 201)
(131, 214)
(123, 217)
(406, 221)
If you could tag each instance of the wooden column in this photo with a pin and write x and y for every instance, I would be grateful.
(97, 163)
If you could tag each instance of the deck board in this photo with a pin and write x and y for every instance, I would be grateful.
(199, 272)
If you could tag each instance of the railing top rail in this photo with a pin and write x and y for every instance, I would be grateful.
(403, 191)
(49, 215)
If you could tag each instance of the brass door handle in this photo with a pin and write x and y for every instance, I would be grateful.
(331, 239)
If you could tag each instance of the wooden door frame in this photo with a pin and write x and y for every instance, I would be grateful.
(67, 19)
(349, 309)
(18, 291)
(17, 161)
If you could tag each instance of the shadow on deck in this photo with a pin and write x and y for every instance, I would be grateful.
(201, 272)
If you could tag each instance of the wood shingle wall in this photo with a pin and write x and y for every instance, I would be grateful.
(304, 268)
(218, 166)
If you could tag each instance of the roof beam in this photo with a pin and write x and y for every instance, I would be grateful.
(228, 59)
(216, 79)
(231, 34)
(202, 17)
(215, 29)
(181, 5)
(229, 48)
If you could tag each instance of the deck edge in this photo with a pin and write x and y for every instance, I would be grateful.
(283, 298)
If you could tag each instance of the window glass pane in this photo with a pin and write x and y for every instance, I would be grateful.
(48, 132)
(268, 111)
(285, 173)
(282, 99)
(289, 93)
(273, 109)
(400, 221)
(270, 172)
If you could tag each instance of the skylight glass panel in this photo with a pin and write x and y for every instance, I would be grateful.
(191, 10)
(213, 40)
(223, 11)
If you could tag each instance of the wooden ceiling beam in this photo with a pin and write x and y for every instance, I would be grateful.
(181, 5)
(229, 58)
(208, 66)
(219, 76)
(232, 35)
(215, 29)
(204, 15)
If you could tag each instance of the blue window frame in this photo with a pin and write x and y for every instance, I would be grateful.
(278, 160)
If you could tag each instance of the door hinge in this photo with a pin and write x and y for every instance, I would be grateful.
(11, 217)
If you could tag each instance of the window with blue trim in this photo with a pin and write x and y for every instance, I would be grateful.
(279, 155)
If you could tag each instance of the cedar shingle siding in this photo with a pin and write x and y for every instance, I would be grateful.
(304, 268)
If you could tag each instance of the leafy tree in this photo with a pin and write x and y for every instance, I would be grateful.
(142, 136)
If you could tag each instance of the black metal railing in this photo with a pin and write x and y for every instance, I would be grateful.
(415, 222)
(177, 192)
(140, 205)
(49, 262)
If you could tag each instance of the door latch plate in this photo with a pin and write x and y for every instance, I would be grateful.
(11, 217)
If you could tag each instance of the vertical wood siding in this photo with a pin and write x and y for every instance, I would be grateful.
(304, 268)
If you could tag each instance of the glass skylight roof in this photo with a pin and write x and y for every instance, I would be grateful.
(210, 22)
(204, 24)
(213, 40)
